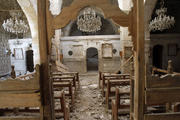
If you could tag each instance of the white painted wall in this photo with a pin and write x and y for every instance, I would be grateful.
(20, 64)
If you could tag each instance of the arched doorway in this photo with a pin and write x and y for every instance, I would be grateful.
(92, 59)
(157, 56)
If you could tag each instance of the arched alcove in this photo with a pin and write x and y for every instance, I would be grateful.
(92, 59)
(107, 28)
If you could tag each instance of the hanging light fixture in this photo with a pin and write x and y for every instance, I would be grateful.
(162, 21)
(89, 21)
(15, 24)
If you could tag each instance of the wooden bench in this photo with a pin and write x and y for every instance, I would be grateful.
(101, 77)
(162, 90)
(21, 92)
(119, 108)
(60, 84)
(61, 70)
(60, 77)
(111, 88)
(111, 77)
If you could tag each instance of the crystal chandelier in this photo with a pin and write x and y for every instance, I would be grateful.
(89, 21)
(15, 24)
(162, 21)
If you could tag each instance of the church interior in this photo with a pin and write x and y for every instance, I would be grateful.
(89, 60)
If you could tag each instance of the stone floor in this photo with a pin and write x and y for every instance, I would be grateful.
(89, 103)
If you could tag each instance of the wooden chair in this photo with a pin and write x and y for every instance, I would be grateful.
(21, 92)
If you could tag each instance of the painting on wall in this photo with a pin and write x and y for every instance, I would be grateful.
(107, 50)
(77, 50)
(128, 52)
(18, 53)
(172, 49)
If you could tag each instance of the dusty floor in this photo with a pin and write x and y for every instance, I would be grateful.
(89, 103)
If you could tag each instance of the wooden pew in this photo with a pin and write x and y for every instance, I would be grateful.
(60, 84)
(21, 92)
(111, 77)
(59, 77)
(119, 108)
(112, 84)
(101, 77)
(60, 68)
(61, 108)
(162, 90)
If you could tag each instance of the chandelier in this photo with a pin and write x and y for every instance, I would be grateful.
(162, 21)
(15, 24)
(89, 21)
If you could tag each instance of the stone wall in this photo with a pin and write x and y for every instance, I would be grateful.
(79, 45)
(5, 65)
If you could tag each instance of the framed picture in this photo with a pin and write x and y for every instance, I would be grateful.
(18, 53)
(107, 50)
(128, 52)
(172, 49)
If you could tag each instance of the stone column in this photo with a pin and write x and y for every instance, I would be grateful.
(29, 10)
(148, 10)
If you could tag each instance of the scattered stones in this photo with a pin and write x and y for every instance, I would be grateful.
(89, 102)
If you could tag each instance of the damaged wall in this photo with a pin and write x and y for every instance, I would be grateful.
(79, 45)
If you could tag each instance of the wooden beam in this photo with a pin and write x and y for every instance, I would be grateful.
(162, 116)
(46, 86)
(20, 118)
(20, 100)
(49, 26)
(169, 80)
(162, 96)
(109, 10)
(139, 60)
(7, 10)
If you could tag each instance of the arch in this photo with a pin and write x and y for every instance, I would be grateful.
(31, 15)
(158, 56)
(110, 11)
(92, 59)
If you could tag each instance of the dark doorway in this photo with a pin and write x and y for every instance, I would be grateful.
(157, 56)
(92, 59)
